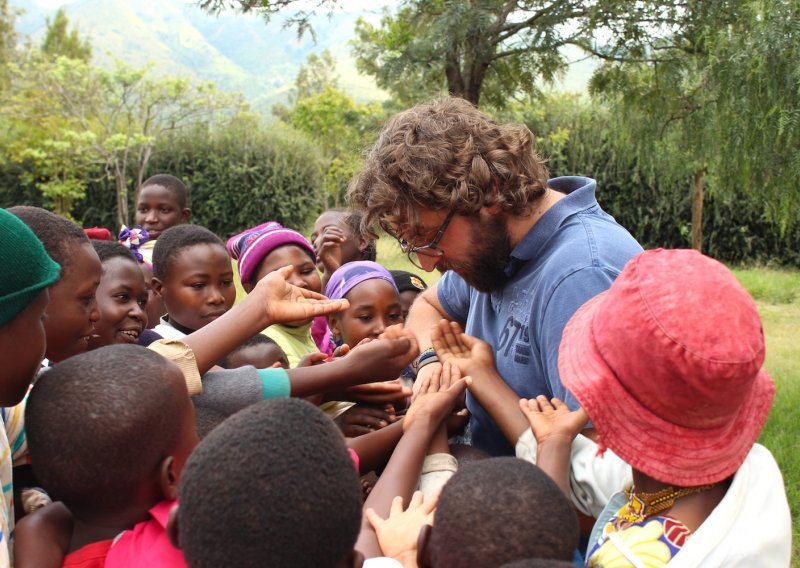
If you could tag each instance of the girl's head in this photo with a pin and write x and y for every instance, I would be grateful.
(374, 301)
(357, 245)
(121, 296)
(133, 239)
(270, 246)
(668, 365)
(28, 271)
(192, 273)
(72, 311)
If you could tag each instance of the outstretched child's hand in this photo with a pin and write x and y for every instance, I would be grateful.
(552, 419)
(285, 303)
(398, 534)
(386, 392)
(436, 396)
(384, 358)
(452, 345)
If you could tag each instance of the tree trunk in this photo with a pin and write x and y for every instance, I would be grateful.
(122, 198)
(697, 210)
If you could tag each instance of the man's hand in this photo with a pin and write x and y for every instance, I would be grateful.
(552, 420)
(398, 534)
(285, 303)
(452, 345)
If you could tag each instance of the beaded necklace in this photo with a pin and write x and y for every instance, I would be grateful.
(643, 505)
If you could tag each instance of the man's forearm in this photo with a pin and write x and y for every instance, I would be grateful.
(425, 312)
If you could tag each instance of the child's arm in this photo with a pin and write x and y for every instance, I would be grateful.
(401, 474)
(473, 357)
(273, 300)
(41, 538)
(554, 427)
(381, 359)
(374, 449)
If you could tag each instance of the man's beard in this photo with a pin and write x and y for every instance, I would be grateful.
(491, 250)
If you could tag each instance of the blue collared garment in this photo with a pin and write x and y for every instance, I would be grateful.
(573, 252)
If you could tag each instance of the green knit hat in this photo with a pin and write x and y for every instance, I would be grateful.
(27, 269)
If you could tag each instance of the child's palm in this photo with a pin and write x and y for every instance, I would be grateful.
(467, 353)
(552, 418)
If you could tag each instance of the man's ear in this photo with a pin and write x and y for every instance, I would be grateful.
(158, 287)
(172, 527)
(423, 547)
(186, 214)
(168, 478)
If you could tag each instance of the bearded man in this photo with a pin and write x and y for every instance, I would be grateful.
(470, 197)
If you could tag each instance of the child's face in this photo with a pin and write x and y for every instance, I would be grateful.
(73, 310)
(305, 273)
(198, 287)
(261, 356)
(374, 306)
(157, 209)
(406, 299)
(122, 299)
(350, 247)
(22, 347)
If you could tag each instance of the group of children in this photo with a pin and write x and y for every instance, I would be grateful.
(171, 425)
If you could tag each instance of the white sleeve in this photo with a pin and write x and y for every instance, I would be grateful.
(593, 479)
(436, 470)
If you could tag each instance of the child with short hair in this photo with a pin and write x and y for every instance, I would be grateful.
(162, 202)
(285, 494)
(28, 273)
(260, 351)
(668, 366)
(192, 273)
(121, 297)
(73, 306)
(117, 473)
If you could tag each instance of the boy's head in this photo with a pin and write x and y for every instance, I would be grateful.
(270, 246)
(192, 273)
(110, 430)
(28, 271)
(259, 351)
(162, 202)
(373, 297)
(73, 309)
(499, 510)
(410, 286)
(121, 296)
(668, 365)
(357, 245)
(285, 491)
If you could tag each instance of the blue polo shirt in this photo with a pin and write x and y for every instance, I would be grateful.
(573, 252)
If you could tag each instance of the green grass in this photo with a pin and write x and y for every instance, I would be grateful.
(778, 295)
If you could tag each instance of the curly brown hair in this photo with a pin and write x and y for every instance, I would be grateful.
(446, 154)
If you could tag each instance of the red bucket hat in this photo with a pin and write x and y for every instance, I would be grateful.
(668, 364)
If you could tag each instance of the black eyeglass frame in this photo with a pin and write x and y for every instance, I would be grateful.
(431, 249)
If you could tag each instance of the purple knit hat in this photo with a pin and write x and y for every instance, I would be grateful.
(349, 275)
(252, 246)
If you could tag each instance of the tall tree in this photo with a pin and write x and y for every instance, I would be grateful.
(8, 39)
(69, 115)
(696, 100)
(60, 40)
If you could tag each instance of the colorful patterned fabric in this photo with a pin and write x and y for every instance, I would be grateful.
(649, 543)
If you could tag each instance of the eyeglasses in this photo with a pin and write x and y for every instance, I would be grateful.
(431, 249)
